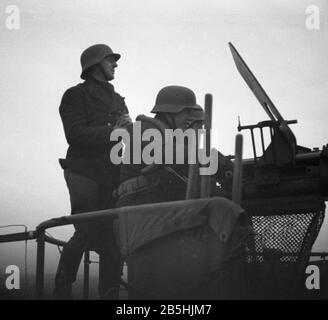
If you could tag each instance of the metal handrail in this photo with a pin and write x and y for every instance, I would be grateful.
(29, 235)
(72, 219)
(41, 237)
(32, 235)
(79, 218)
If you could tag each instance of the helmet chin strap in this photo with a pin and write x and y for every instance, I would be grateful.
(103, 73)
(173, 121)
(168, 118)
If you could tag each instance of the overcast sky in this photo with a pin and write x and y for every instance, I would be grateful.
(162, 43)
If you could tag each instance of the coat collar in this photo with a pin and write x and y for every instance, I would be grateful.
(99, 90)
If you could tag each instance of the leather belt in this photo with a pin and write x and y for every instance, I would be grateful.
(137, 184)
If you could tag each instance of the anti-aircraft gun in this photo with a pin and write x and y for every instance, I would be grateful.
(283, 191)
(284, 168)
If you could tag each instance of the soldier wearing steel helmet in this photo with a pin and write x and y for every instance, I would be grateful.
(89, 112)
(175, 108)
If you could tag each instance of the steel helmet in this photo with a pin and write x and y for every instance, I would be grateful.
(95, 54)
(173, 99)
(198, 114)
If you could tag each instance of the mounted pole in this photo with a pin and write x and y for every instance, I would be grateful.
(40, 263)
(86, 274)
(238, 170)
(192, 191)
(193, 181)
(205, 188)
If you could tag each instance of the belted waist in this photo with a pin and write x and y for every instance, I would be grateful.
(138, 183)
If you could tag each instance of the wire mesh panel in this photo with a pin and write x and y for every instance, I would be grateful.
(284, 232)
(282, 236)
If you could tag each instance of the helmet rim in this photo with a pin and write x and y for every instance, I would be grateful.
(174, 99)
(177, 108)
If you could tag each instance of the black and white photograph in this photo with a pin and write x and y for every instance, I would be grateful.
(163, 151)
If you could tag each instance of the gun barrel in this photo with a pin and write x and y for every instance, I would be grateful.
(307, 176)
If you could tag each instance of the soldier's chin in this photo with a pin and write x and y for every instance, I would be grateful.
(110, 77)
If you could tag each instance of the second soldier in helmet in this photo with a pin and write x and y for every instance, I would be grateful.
(175, 108)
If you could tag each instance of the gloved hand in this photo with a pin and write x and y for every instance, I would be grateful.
(123, 121)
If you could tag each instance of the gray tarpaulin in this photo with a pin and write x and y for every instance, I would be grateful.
(183, 249)
(139, 227)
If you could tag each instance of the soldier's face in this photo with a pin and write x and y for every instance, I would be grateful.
(184, 118)
(108, 66)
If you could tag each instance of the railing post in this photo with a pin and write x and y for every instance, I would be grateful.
(205, 181)
(40, 264)
(238, 171)
(86, 275)
(193, 184)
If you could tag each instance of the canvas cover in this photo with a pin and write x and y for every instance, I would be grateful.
(180, 249)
